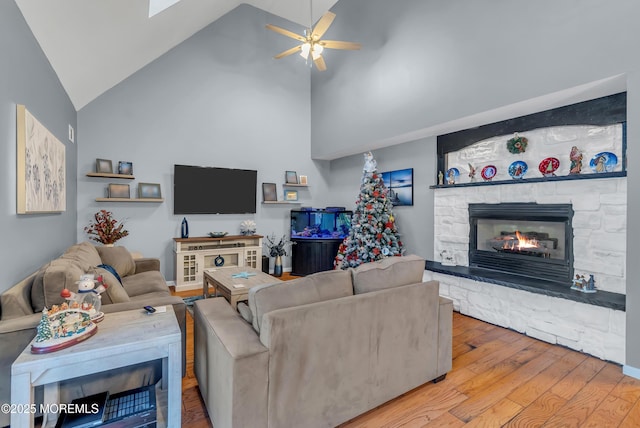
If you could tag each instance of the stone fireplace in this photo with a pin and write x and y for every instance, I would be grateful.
(516, 241)
(545, 309)
(526, 239)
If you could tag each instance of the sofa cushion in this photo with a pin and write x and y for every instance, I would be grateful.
(145, 282)
(115, 292)
(387, 273)
(84, 254)
(51, 280)
(317, 287)
(118, 257)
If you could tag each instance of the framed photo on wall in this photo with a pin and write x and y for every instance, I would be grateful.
(120, 191)
(400, 185)
(291, 195)
(291, 177)
(149, 191)
(125, 168)
(269, 192)
(104, 166)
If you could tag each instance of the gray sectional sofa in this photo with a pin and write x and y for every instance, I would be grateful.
(320, 350)
(21, 306)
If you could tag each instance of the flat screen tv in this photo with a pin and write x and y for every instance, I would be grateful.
(209, 190)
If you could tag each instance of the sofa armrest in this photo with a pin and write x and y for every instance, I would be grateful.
(231, 365)
(146, 264)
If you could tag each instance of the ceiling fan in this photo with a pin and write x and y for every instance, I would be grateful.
(312, 43)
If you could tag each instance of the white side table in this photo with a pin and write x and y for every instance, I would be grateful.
(125, 338)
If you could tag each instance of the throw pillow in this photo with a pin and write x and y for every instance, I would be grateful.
(118, 257)
(115, 291)
(112, 271)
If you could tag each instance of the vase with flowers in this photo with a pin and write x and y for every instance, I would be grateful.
(277, 249)
(105, 229)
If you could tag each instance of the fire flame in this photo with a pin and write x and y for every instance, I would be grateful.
(522, 243)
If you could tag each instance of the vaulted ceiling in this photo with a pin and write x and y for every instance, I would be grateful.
(94, 45)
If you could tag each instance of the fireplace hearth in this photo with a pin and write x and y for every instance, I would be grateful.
(525, 239)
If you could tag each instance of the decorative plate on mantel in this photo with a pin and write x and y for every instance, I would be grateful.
(549, 166)
(518, 169)
(488, 172)
(603, 162)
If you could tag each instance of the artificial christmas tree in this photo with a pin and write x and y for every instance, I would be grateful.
(373, 235)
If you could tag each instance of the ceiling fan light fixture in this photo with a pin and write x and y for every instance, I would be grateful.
(317, 51)
(305, 49)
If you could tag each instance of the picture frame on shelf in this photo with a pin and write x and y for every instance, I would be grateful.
(291, 177)
(303, 180)
(104, 166)
(120, 191)
(149, 191)
(269, 193)
(125, 168)
(291, 195)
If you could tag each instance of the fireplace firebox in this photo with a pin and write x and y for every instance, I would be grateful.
(526, 239)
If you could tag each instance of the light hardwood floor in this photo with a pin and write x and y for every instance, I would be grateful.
(499, 378)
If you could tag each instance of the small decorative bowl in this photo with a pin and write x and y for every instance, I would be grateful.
(217, 234)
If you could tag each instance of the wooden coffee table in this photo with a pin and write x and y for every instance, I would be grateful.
(234, 289)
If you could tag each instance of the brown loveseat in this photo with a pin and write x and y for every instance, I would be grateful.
(322, 349)
(21, 306)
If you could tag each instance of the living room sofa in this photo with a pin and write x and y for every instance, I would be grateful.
(21, 310)
(323, 349)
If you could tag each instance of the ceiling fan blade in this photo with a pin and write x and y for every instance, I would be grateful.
(319, 62)
(323, 25)
(288, 52)
(336, 44)
(286, 33)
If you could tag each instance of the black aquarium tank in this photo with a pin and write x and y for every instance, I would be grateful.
(317, 233)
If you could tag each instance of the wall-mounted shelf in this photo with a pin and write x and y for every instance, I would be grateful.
(294, 185)
(280, 202)
(535, 180)
(109, 175)
(130, 200)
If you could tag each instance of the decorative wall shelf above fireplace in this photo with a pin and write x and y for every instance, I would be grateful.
(536, 180)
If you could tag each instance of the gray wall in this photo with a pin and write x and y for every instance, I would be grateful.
(218, 99)
(27, 78)
(426, 64)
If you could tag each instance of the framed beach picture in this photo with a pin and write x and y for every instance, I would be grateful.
(400, 186)
(269, 192)
(149, 191)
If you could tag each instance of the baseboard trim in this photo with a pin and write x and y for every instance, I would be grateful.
(631, 371)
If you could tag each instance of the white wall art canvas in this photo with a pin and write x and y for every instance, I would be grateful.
(40, 167)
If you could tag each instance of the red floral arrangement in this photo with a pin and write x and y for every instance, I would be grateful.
(105, 229)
